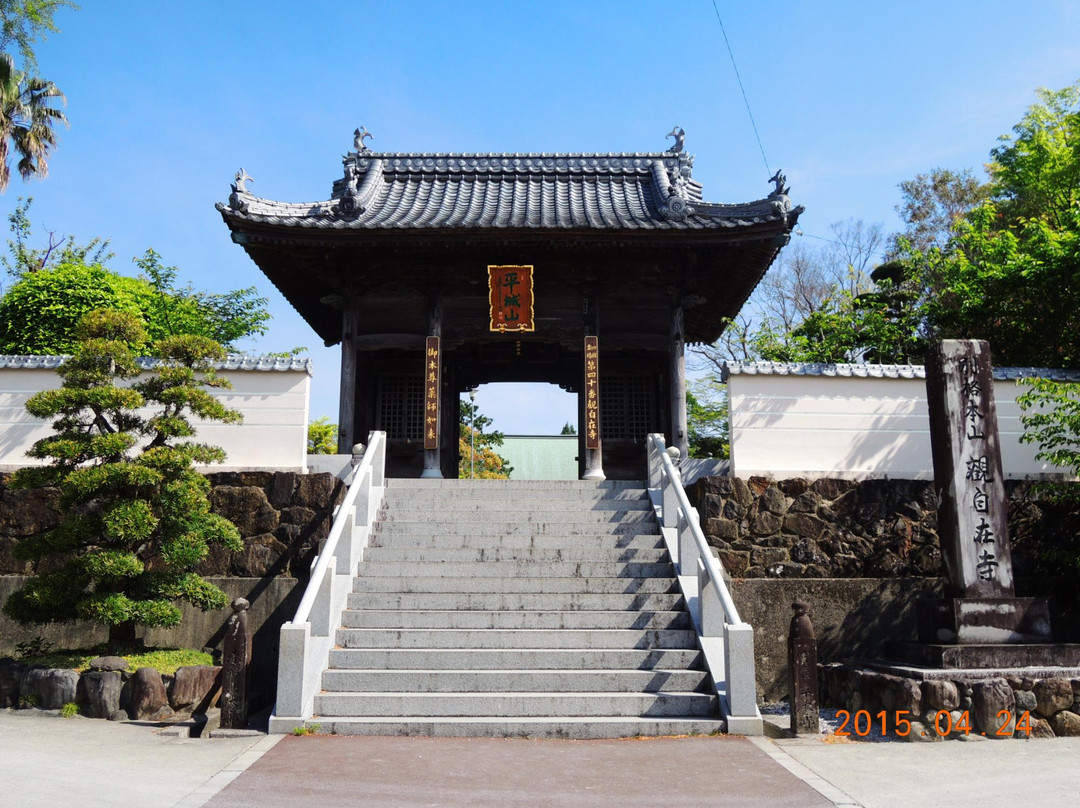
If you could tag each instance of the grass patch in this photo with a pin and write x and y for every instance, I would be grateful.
(69, 710)
(165, 660)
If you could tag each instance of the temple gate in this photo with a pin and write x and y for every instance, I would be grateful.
(525, 267)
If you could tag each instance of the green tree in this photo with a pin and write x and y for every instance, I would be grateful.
(322, 436)
(707, 420)
(24, 22)
(476, 457)
(568, 429)
(27, 122)
(24, 259)
(39, 313)
(137, 517)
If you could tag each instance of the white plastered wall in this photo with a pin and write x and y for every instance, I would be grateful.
(859, 428)
(273, 434)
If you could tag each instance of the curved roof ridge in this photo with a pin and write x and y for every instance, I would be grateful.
(879, 371)
(241, 361)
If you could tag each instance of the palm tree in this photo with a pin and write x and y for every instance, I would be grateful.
(26, 121)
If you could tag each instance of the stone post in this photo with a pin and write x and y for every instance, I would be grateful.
(347, 400)
(802, 672)
(236, 667)
(972, 511)
(679, 432)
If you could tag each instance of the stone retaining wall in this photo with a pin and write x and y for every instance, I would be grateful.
(829, 528)
(938, 709)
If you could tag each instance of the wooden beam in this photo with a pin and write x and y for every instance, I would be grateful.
(679, 435)
(347, 400)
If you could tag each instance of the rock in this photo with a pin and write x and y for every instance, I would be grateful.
(806, 551)
(740, 491)
(119, 715)
(1052, 696)
(1025, 701)
(765, 524)
(1014, 682)
(993, 702)
(911, 509)
(99, 692)
(794, 486)
(246, 507)
(9, 564)
(734, 511)
(831, 488)
(148, 696)
(280, 491)
(11, 676)
(926, 560)
(108, 663)
(735, 562)
(192, 685)
(319, 492)
(940, 694)
(29, 511)
(804, 525)
(773, 501)
(768, 556)
(51, 688)
(920, 733)
(757, 486)
(1042, 729)
(1066, 724)
(722, 528)
(909, 697)
(806, 502)
(256, 479)
(261, 556)
(886, 564)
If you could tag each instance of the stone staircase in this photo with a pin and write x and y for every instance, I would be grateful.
(516, 609)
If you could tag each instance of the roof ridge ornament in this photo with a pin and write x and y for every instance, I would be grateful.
(680, 139)
(359, 136)
(239, 186)
(779, 196)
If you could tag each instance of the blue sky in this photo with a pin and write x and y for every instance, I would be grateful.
(168, 100)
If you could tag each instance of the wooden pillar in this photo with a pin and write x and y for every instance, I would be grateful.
(679, 435)
(433, 457)
(594, 457)
(347, 400)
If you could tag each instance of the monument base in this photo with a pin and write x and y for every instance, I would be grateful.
(983, 621)
(985, 655)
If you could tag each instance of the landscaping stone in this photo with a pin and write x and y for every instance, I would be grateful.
(147, 694)
(1042, 729)
(1052, 696)
(191, 685)
(940, 694)
(118, 715)
(1066, 724)
(108, 663)
(11, 676)
(1025, 701)
(99, 693)
(989, 699)
(246, 507)
(51, 688)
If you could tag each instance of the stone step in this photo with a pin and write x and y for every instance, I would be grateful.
(512, 705)
(450, 542)
(496, 528)
(515, 659)
(469, 639)
(517, 569)
(541, 585)
(484, 555)
(581, 728)
(455, 486)
(501, 681)
(519, 601)
(463, 506)
(510, 513)
(548, 620)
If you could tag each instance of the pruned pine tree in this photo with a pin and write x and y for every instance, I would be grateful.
(137, 515)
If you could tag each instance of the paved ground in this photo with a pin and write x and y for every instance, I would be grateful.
(51, 761)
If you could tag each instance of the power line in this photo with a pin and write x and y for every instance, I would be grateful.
(742, 89)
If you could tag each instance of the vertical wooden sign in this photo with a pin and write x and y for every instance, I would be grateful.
(592, 393)
(510, 295)
(432, 373)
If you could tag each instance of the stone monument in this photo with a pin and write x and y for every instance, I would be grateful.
(803, 672)
(981, 617)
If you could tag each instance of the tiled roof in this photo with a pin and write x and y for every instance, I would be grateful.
(879, 371)
(231, 362)
(582, 191)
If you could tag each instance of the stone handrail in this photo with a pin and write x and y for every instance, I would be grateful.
(306, 640)
(726, 641)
